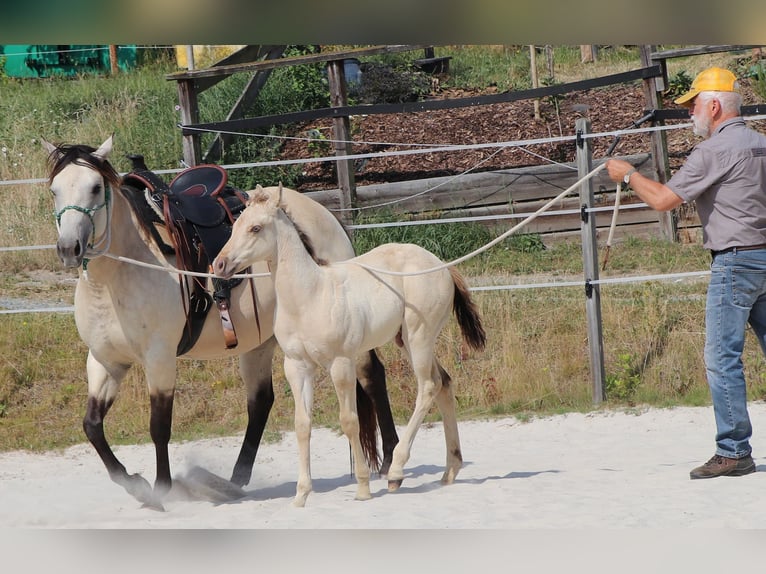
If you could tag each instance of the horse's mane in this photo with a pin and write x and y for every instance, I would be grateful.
(260, 196)
(81, 154)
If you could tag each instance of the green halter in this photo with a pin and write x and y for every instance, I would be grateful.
(90, 212)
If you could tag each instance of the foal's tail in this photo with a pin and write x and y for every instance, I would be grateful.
(467, 314)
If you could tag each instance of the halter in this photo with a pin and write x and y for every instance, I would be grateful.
(94, 248)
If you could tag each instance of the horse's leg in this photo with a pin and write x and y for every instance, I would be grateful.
(372, 379)
(161, 378)
(301, 374)
(343, 377)
(255, 370)
(422, 360)
(445, 401)
(160, 421)
(103, 384)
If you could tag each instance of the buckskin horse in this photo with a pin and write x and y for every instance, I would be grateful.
(129, 314)
(393, 292)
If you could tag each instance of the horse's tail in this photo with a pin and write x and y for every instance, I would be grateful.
(467, 314)
(368, 428)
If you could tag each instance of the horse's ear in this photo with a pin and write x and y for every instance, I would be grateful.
(105, 148)
(49, 147)
(253, 193)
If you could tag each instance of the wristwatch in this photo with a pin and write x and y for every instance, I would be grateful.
(626, 177)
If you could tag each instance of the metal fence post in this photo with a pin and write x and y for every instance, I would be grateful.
(590, 261)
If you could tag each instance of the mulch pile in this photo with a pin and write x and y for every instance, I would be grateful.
(609, 109)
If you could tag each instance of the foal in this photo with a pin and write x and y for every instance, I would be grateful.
(326, 315)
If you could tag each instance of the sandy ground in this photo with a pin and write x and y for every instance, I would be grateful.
(601, 492)
(616, 470)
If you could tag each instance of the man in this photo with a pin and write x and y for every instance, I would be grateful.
(726, 176)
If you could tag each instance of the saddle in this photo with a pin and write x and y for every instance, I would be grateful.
(191, 218)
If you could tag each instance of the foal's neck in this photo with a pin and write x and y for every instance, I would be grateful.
(295, 271)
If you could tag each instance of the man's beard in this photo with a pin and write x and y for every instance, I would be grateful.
(702, 125)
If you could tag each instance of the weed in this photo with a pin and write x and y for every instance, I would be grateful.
(623, 384)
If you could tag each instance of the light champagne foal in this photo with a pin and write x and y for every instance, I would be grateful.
(327, 314)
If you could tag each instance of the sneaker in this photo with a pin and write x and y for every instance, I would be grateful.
(723, 466)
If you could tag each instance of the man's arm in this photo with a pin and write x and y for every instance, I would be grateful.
(655, 194)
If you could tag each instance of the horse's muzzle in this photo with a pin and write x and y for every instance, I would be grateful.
(70, 252)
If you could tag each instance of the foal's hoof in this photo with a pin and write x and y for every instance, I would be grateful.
(393, 485)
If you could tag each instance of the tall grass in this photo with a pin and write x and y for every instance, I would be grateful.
(536, 361)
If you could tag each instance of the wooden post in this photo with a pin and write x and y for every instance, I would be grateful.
(535, 82)
(549, 62)
(187, 100)
(590, 262)
(668, 220)
(190, 57)
(341, 133)
(587, 53)
(113, 64)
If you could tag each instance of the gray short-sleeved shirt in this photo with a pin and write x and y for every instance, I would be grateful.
(726, 176)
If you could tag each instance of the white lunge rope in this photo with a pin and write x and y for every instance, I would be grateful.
(492, 243)
(169, 268)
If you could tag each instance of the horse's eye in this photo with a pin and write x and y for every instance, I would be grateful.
(96, 189)
(255, 229)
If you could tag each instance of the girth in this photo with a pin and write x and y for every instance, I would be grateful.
(197, 210)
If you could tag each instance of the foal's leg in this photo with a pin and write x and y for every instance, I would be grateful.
(445, 401)
(103, 384)
(343, 377)
(301, 374)
(255, 370)
(429, 385)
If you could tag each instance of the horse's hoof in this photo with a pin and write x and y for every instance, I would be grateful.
(393, 485)
(154, 505)
(209, 486)
(140, 489)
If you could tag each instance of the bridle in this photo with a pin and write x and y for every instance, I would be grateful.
(94, 248)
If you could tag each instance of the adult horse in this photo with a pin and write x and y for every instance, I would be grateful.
(129, 314)
(393, 292)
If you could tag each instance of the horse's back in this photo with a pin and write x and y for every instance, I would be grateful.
(329, 239)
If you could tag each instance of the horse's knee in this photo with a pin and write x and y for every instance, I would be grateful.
(93, 421)
(161, 417)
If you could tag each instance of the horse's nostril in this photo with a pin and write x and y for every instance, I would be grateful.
(77, 249)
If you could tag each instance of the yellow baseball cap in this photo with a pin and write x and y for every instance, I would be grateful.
(710, 80)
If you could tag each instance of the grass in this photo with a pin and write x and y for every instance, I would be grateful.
(536, 362)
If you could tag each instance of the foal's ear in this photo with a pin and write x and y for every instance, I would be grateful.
(105, 148)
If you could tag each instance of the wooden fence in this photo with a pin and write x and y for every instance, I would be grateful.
(512, 192)
(496, 193)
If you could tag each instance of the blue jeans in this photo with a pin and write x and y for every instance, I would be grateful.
(736, 296)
